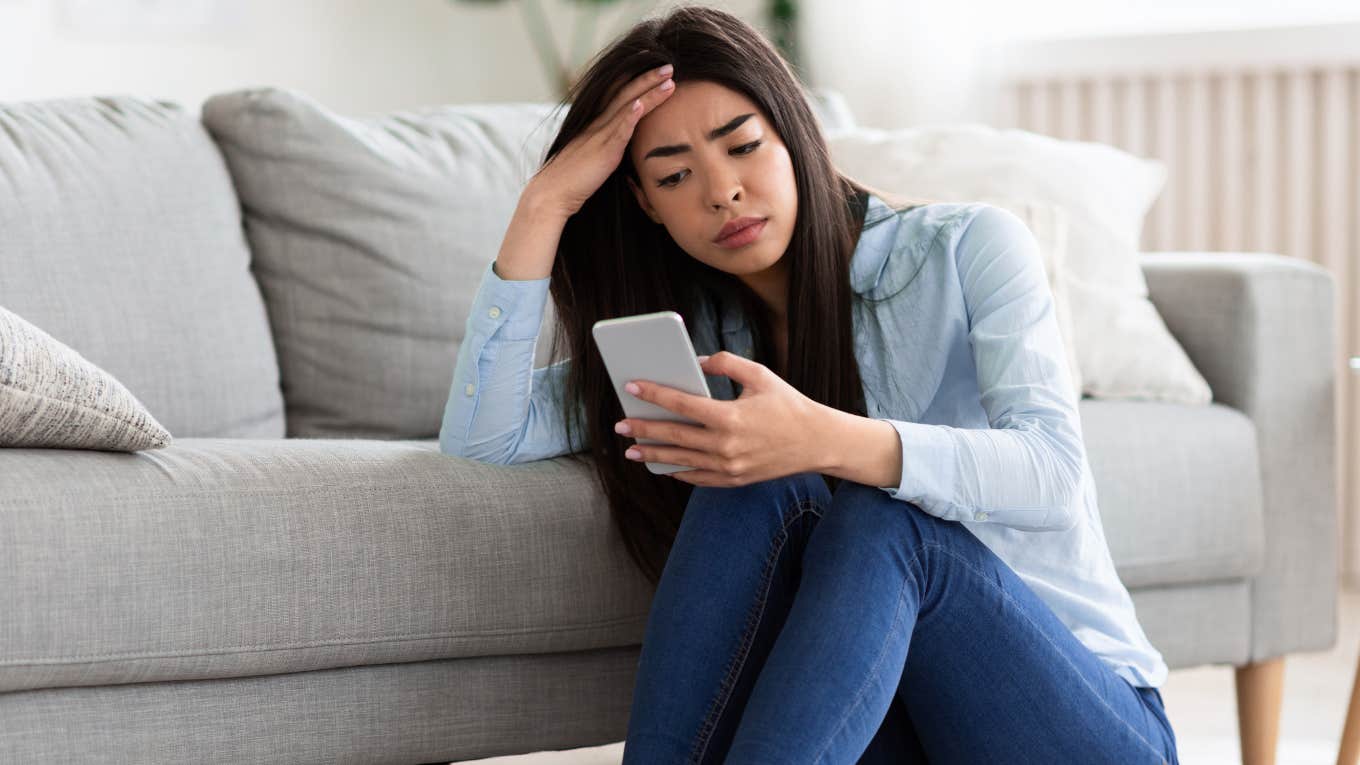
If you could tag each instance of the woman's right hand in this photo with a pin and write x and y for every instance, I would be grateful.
(579, 169)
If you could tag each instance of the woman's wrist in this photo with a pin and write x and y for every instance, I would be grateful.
(859, 449)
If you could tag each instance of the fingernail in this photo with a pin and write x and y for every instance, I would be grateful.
(665, 70)
(702, 359)
(631, 388)
(667, 85)
(632, 454)
(622, 427)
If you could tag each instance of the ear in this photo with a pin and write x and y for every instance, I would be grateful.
(642, 200)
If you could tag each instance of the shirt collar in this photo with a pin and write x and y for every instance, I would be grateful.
(866, 263)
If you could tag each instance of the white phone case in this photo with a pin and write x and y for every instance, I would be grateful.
(653, 347)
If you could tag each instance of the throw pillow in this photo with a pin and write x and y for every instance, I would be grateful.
(370, 235)
(1123, 348)
(51, 396)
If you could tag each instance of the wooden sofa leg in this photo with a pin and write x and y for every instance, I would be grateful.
(1260, 689)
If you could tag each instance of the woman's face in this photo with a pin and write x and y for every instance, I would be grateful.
(693, 182)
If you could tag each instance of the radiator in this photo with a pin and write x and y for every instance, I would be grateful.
(1260, 133)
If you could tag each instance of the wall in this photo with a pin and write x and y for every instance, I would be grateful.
(920, 62)
(353, 55)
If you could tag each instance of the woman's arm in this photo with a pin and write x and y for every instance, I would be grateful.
(1026, 469)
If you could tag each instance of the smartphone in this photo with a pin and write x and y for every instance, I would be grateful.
(653, 347)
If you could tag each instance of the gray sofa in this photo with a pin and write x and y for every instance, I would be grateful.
(303, 577)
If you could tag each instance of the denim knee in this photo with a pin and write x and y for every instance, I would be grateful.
(774, 500)
(865, 522)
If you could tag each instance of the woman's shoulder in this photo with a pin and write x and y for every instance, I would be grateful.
(917, 235)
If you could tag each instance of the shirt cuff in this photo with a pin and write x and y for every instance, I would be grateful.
(514, 306)
(929, 468)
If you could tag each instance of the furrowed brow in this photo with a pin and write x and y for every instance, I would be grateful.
(713, 135)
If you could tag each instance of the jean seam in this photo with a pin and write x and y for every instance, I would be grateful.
(878, 661)
(1161, 757)
(800, 507)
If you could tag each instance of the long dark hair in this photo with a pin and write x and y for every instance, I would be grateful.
(597, 274)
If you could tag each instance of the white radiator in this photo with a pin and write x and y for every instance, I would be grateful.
(1260, 131)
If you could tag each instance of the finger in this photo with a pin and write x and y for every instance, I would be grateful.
(678, 433)
(739, 368)
(639, 86)
(700, 408)
(636, 110)
(700, 477)
(674, 455)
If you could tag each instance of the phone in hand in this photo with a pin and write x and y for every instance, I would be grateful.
(654, 347)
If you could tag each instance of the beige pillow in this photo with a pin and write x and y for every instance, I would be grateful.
(1123, 348)
(51, 396)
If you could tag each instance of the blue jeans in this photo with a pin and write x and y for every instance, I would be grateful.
(769, 643)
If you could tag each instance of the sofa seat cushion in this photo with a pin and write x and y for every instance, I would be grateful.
(1179, 490)
(225, 558)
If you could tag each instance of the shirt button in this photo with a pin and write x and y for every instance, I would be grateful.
(494, 312)
(981, 515)
(469, 389)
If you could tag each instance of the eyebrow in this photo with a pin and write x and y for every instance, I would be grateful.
(713, 135)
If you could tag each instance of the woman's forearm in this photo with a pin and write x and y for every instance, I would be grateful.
(860, 449)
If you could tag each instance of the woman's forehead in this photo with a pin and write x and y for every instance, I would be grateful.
(694, 109)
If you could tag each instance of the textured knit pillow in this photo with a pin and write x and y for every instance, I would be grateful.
(51, 396)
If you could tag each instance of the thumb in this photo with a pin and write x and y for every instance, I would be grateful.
(739, 368)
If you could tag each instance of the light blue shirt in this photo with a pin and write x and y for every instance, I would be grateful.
(959, 351)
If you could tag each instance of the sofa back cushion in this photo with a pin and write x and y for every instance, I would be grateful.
(370, 235)
(120, 236)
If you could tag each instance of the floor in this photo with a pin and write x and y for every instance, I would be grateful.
(1200, 703)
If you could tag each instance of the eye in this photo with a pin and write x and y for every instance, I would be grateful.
(740, 151)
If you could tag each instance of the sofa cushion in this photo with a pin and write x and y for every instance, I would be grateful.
(120, 236)
(370, 235)
(228, 558)
(1179, 490)
(51, 396)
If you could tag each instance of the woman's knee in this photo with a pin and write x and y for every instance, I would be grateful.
(865, 520)
(774, 501)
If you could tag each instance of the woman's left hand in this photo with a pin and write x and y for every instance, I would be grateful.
(770, 431)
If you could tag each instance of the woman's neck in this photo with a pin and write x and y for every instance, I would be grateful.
(772, 287)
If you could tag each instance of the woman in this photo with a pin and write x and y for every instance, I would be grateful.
(929, 583)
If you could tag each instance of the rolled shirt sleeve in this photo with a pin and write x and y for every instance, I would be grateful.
(1026, 470)
(500, 408)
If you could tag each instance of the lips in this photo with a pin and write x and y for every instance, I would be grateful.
(733, 226)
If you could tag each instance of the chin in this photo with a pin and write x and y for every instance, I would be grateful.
(744, 262)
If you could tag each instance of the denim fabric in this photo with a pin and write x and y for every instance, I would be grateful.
(794, 626)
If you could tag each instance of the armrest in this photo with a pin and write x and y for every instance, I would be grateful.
(1261, 329)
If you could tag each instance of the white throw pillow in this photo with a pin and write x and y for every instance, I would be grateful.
(1122, 346)
(51, 396)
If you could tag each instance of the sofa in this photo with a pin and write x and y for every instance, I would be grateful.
(302, 576)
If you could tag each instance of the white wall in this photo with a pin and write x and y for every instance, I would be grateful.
(352, 55)
(928, 61)
(899, 62)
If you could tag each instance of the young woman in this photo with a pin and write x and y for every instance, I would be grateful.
(888, 548)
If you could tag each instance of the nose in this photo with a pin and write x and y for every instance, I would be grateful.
(724, 189)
